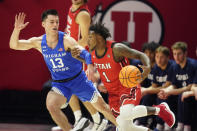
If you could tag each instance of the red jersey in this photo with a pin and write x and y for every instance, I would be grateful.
(108, 68)
(109, 74)
(72, 28)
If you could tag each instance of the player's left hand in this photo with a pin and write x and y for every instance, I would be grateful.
(146, 71)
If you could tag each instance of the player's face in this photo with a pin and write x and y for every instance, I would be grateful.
(179, 55)
(77, 2)
(51, 24)
(91, 40)
(150, 54)
(161, 59)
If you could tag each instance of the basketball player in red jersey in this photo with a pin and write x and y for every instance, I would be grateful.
(109, 57)
(78, 23)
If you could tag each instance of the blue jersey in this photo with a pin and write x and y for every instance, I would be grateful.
(60, 63)
(184, 76)
(161, 76)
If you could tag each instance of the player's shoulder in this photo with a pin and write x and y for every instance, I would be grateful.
(192, 62)
(118, 47)
(69, 41)
(67, 37)
(83, 14)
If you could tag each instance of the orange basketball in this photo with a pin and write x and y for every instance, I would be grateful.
(130, 76)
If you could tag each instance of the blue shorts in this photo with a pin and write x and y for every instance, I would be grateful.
(79, 86)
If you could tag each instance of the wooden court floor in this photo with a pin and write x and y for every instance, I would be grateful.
(24, 127)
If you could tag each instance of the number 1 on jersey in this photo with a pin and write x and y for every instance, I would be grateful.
(106, 77)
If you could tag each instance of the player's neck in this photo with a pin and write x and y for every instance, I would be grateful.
(76, 6)
(52, 40)
(163, 67)
(100, 51)
(101, 47)
(152, 64)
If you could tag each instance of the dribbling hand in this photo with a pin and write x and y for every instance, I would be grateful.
(146, 71)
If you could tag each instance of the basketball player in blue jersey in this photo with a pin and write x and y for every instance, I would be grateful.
(161, 72)
(182, 79)
(66, 72)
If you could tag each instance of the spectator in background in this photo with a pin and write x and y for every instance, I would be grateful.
(182, 79)
(161, 72)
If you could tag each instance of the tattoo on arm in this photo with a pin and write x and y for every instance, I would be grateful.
(121, 50)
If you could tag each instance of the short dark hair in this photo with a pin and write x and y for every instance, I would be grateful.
(85, 1)
(179, 45)
(48, 12)
(152, 46)
(100, 29)
(163, 50)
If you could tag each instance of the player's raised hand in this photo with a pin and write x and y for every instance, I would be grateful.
(20, 21)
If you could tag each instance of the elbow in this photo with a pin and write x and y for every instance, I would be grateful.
(13, 46)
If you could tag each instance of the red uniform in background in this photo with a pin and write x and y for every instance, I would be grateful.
(72, 28)
(109, 74)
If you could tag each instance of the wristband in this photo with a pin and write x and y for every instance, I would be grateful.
(86, 56)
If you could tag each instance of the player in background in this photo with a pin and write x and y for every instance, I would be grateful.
(182, 79)
(78, 23)
(109, 57)
(66, 72)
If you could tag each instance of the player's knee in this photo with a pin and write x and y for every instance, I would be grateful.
(103, 108)
(100, 105)
(51, 106)
(131, 112)
(126, 111)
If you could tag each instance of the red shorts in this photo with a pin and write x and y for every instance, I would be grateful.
(125, 96)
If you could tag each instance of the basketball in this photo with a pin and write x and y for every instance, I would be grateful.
(130, 76)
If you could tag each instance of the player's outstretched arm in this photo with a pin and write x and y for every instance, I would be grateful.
(70, 43)
(19, 25)
(83, 54)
